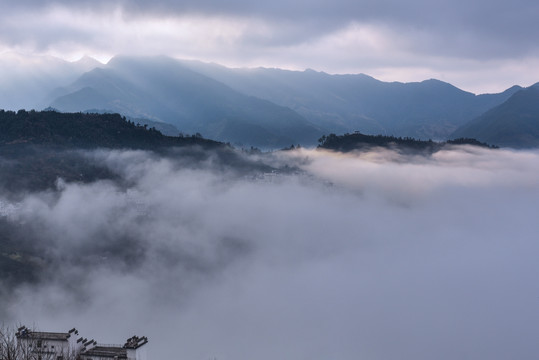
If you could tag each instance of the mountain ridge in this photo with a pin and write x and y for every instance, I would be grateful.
(350, 102)
(514, 123)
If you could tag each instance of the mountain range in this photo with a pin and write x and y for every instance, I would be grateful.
(161, 89)
(272, 108)
(347, 103)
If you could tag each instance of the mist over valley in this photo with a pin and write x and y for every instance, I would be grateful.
(252, 180)
(301, 253)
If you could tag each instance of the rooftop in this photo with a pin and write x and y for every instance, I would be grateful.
(135, 342)
(87, 347)
(107, 352)
(25, 333)
(48, 335)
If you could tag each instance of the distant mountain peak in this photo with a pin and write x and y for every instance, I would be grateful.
(510, 91)
(87, 58)
(87, 62)
(438, 82)
(515, 87)
(139, 59)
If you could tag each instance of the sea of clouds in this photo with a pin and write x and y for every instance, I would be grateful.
(372, 255)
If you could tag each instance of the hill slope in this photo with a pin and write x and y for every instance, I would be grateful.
(515, 123)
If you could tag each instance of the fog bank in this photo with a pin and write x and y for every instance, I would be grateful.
(375, 255)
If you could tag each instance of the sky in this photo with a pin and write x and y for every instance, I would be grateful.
(375, 256)
(480, 45)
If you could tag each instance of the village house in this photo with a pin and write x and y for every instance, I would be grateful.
(69, 346)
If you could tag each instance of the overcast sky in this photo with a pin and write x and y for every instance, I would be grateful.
(478, 45)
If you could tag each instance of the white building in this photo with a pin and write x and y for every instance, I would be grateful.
(68, 346)
(49, 345)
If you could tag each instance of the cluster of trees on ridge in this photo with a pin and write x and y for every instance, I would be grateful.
(359, 141)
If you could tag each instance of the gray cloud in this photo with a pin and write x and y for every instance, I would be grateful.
(373, 255)
(392, 40)
(479, 29)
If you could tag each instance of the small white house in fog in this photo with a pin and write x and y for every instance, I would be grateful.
(48, 345)
(69, 346)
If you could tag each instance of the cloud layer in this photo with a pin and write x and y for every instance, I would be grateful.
(377, 255)
(461, 42)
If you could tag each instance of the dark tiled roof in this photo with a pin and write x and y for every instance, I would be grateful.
(36, 335)
(106, 352)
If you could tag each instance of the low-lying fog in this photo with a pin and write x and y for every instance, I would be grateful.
(374, 256)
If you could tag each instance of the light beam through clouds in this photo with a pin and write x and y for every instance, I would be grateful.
(378, 256)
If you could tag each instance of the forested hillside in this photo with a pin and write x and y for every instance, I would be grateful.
(83, 130)
(38, 148)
